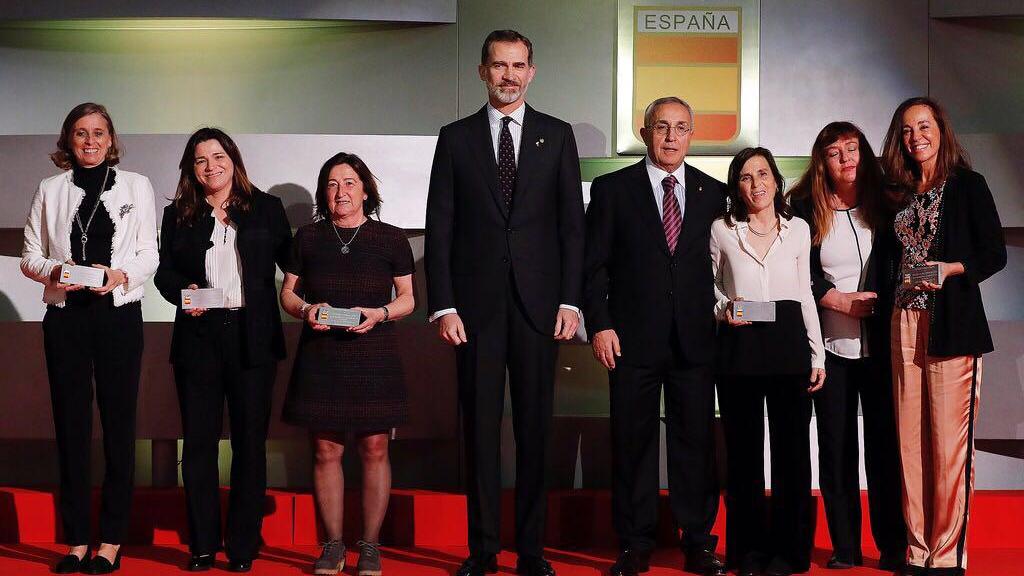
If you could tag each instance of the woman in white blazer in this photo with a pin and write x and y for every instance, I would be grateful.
(96, 215)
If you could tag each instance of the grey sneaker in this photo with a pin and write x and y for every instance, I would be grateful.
(369, 559)
(332, 558)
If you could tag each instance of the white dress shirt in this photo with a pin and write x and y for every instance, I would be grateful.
(656, 175)
(223, 266)
(515, 127)
(844, 258)
(783, 274)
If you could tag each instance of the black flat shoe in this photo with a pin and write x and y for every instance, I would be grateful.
(778, 567)
(630, 563)
(200, 563)
(100, 565)
(239, 565)
(891, 562)
(71, 564)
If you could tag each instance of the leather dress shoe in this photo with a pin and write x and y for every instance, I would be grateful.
(100, 565)
(910, 570)
(534, 566)
(200, 562)
(630, 563)
(478, 565)
(239, 565)
(71, 564)
(704, 562)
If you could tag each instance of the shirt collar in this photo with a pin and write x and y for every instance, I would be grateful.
(656, 174)
(494, 116)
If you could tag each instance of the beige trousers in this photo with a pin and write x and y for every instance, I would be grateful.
(936, 404)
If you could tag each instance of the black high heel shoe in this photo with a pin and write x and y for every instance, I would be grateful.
(100, 565)
(71, 564)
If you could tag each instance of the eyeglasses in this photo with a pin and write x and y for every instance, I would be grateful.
(662, 129)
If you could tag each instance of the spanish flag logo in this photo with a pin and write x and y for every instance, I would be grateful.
(694, 53)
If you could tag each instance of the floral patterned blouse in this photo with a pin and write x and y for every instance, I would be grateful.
(917, 225)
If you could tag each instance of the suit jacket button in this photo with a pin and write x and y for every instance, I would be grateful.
(670, 293)
(504, 259)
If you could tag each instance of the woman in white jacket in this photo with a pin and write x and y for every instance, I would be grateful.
(92, 214)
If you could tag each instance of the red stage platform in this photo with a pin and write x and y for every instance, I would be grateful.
(425, 533)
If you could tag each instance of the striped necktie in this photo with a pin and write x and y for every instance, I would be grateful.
(672, 217)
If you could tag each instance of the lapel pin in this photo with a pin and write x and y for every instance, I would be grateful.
(540, 142)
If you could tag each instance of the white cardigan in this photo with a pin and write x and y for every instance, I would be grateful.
(130, 204)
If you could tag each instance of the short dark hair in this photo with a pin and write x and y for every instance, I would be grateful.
(737, 211)
(505, 36)
(63, 157)
(372, 203)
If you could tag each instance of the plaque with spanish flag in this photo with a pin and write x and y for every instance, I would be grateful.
(705, 52)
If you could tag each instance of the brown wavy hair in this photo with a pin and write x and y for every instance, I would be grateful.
(190, 199)
(372, 203)
(737, 210)
(817, 186)
(63, 157)
(902, 172)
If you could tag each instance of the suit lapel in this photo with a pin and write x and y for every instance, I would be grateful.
(483, 146)
(643, 195)
(529, 151)
(694, 193)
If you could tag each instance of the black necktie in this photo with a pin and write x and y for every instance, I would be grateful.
(506, 163)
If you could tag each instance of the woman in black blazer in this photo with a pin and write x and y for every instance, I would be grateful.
(842, 199)
(222, 232)
(947, 221)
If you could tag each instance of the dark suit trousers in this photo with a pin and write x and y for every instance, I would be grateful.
(211, 368)
(83, 342)
(635, 396)
(750, 536)
(509, 340)
(838, 452)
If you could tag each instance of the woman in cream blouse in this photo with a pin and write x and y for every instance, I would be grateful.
(761, 253)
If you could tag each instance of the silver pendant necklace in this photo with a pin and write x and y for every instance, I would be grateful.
(763, 234)
(78, 219)
(345, 245)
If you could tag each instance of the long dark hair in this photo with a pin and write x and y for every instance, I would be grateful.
(901, 170)
(817, 186)
(372, 203)
(737, 211)
(189, 199)
(64, 157)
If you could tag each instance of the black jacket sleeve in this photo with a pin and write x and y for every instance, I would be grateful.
(440, 222)
(571, 221)
(988, 242)
(168, 280)
(819, 284)
(600, 227)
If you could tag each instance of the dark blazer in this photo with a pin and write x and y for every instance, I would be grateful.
(878, 276)
(473, 243)
(264, 239)
(633, 285)
(969, 232)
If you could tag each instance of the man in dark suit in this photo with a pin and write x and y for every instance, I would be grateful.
(504, 263)
(649, 301)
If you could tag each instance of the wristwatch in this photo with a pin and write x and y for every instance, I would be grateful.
(305, 308)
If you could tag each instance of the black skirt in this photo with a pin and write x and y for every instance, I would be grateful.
(762, 348)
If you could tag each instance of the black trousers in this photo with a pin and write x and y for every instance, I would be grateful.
(754, 532)
(635, 396)
(835, 405)
(83, 342)
(509, 341)
(210, 369)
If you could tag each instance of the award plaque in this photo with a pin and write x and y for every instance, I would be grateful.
(205, 298)
(921, 274)
(82, 275)
(753, 311)
(343, 317)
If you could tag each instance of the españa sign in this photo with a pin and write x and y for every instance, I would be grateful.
(705, 54)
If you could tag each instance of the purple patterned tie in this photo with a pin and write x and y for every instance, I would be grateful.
(506, 163)
(672, 217)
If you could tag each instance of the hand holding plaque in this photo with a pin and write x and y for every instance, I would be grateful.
(753, 311)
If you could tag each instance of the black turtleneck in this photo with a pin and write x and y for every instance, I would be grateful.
(101, 231)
